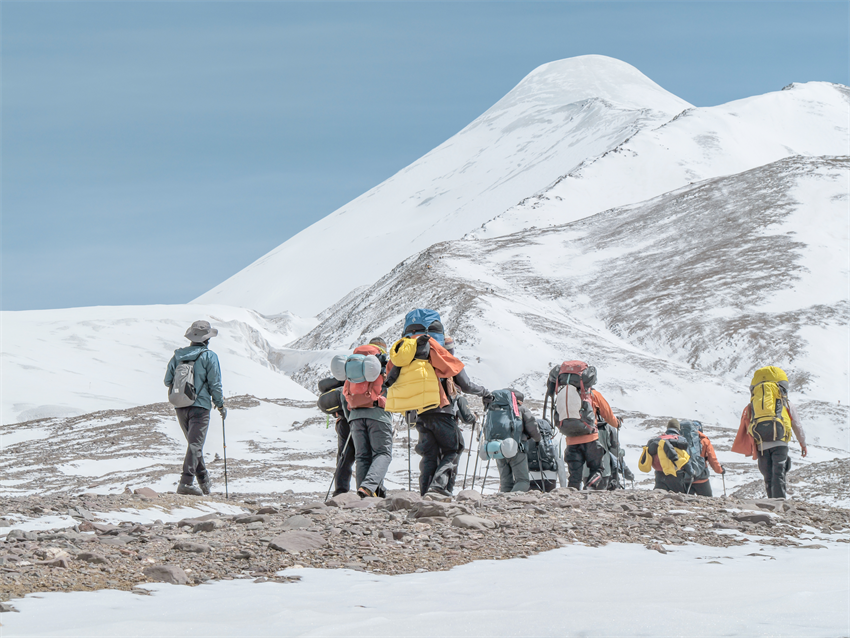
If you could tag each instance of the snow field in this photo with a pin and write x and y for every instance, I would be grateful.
(614, 590)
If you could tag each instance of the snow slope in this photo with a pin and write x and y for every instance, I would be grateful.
(562, 114)
(463, 602)
(575, 137)
(78, 360)
(675, 300)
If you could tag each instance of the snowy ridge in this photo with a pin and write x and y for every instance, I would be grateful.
(561, 115)
(662, 298)
(74, 361)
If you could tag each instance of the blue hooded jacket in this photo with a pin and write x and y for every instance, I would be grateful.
(207, 374)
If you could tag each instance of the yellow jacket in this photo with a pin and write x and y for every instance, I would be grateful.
(417, 387)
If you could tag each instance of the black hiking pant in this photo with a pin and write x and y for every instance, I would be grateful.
(194, 421)
(591, 454)
(670, 483)
(440, 444)
(701, 489)
(344, 457)
(772, 465)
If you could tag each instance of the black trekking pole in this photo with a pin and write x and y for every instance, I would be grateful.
(339, 464)
(224, 447)
(485, 477)
(469, 451)
(409, 465)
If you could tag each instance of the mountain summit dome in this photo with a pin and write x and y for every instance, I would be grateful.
(589, 77)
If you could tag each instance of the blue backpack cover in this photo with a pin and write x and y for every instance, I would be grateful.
(421, 321)
(696, 464)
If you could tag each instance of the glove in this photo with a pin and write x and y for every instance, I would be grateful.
(722, 470)
(223, 412)
(619, 422)
(487, 399)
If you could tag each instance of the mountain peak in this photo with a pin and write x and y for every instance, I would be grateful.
(588, 77)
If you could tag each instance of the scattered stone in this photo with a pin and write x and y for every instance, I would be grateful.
(207, 526)
(386, 535)
(93, 558)
(297, 522)
(441, 498)
(341, 499)
(245, 520)
(268, 510)
(4, 607)
(364, 503)
(297, 541)
(191, 522)
(399, 501)
(194, 548)
(468, 521)
(469, 495)
(146, 492)
(57, 562)
(167, 574)
(245, 554)
(254, 526)
(812, 546)
(752, 518)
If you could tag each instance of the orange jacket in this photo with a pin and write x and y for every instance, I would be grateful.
(600, 407)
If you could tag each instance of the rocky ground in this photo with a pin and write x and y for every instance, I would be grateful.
(399, 534)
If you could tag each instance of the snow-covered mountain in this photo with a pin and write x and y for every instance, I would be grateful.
(589, 131)
(588, 214)
(676, 300)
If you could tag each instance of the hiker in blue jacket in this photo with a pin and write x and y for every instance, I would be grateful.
(195, 419)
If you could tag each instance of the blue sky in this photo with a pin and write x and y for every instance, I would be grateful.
(151, 150)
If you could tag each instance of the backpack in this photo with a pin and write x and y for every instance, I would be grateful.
(330, 395)
(551, 463)
(769, 417)
(182, 392)
(363, 376)
(330, 402)
(502, 427)
(573, 401)
(698, 467)
(422, 321)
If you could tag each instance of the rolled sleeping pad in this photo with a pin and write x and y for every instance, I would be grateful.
(504, 449)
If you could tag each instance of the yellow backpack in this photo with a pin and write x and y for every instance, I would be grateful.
(769, 417)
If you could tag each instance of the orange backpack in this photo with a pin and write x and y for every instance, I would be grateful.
(366, 394)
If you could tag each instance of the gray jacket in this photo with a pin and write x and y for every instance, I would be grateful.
(529, 425)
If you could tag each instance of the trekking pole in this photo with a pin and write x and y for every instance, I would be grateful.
(723, 476)
(485, 477)
(409, 466)
(224, 446)
(338, 464)
(469, 451)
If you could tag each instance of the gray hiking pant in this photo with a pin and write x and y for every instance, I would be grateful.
(513, 473)
(373, 451)
(194, 422)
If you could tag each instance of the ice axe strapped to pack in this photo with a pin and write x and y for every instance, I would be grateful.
(570, 387)
(502, 427)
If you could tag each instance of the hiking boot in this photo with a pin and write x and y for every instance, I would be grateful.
(338, 492)
(363, 492)
(205, 485)
(189, 490)
(593, 481)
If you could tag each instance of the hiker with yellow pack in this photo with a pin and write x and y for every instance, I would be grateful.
(667, 454)
(767, 424)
